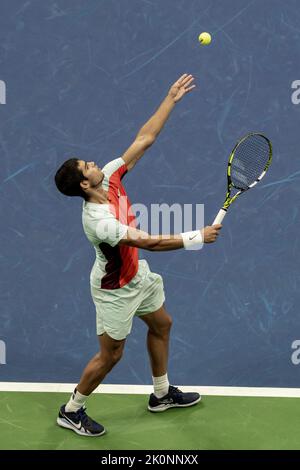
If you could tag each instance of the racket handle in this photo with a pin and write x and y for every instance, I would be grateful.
(220, 217)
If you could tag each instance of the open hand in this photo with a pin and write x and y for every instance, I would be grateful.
(181, 87)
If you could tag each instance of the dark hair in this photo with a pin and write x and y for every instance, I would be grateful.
(68, 178)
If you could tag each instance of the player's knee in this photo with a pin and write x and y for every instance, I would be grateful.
(108, 359)
(117, 355)
(164, 327)
(112, 357)
(169, 323)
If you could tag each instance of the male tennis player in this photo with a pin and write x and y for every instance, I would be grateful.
(122, 286)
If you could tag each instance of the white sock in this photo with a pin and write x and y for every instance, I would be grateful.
(161, 385)
(76, 401)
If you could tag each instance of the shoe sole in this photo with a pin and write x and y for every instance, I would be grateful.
(164, 407)
(64, 424)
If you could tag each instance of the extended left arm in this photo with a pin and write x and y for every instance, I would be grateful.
(148, 133)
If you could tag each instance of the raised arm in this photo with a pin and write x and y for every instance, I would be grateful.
(148, 133)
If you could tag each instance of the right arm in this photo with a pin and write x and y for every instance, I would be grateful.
(140, 239)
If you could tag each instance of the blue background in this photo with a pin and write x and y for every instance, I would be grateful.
(82, 77)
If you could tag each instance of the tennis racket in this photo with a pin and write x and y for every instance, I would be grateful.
(247, 165)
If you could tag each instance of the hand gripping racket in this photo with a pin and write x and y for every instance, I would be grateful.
(247, 165)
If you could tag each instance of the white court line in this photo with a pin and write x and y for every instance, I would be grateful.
(147, 389)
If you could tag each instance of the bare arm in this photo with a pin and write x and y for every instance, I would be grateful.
(140, 239)
(148, 133)
(180, 88)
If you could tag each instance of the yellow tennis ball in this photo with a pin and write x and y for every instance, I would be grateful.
(205, 38)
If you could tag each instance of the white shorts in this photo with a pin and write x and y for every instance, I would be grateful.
(115, 308)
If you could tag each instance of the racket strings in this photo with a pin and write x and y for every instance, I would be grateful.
(250, 159)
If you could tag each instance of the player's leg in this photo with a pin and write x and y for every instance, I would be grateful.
(165, 396)
(100, 365)
(159, 325)
(73, 415)
(159, 322)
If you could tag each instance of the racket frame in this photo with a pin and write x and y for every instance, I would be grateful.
(230, 199)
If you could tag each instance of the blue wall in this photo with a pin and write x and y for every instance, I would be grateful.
(82, 76)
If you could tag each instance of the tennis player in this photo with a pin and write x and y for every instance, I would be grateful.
(122, 286)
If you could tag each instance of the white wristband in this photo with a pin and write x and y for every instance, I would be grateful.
(192, 240)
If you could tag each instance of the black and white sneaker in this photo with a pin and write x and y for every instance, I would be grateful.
(79, 422)
(175, 398)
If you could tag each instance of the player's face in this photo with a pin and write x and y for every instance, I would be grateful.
(91, 172)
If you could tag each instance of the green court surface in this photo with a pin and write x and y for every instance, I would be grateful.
(28, 421)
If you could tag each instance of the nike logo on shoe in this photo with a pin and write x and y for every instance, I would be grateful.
(77, 426)
(166, 401)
